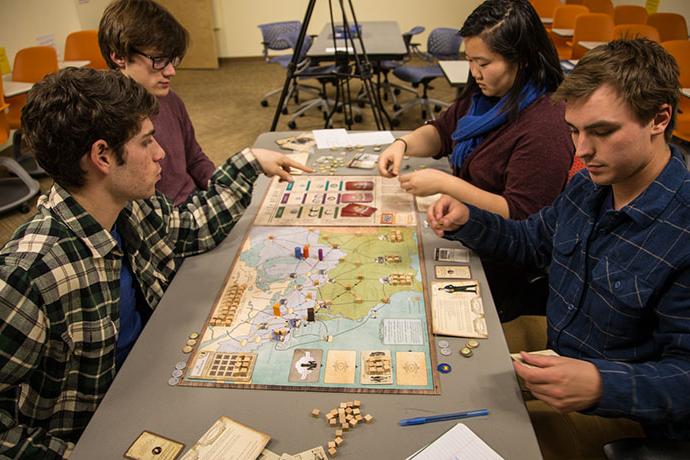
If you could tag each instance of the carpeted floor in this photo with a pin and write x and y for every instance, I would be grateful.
(224, 107)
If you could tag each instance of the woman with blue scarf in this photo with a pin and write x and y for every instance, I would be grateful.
(507, 142)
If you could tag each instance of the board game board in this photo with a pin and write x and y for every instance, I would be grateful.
(337, 200)
(320, 308)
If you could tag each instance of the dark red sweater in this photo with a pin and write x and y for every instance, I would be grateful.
(526, 161)
(185, 167)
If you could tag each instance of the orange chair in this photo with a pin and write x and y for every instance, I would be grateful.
(671, 26)
(14, 191)
(545, 8)
(573, 2)
(680, 50)
(630, 31)
(564, 18)
(599, 6)
(83, 46)
(629, 14)
(591, 27)
(30, 65)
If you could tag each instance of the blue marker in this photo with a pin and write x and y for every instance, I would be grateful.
(442, 417)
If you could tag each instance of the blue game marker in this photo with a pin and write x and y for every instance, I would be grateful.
(298, 252)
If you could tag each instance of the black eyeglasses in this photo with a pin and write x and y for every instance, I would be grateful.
(160, 62)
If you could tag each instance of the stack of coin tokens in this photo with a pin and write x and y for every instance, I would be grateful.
(466, 351)
(444, 348)
(177, 373)
(191, 342)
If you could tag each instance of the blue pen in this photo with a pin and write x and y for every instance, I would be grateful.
(442, 417)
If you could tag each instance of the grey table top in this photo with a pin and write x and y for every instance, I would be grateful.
(382, 40)
(456, 72)
(140, 398)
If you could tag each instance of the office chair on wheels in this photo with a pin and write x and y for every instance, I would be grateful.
(30, 65)
(274, 38)
(443, 44)
(392, 90)
(14, 191)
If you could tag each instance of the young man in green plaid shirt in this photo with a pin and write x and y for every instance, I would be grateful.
(94, 262)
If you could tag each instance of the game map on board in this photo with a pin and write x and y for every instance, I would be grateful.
(320, 308)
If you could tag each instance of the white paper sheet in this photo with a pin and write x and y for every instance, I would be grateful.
(339, 138)
(458, 443)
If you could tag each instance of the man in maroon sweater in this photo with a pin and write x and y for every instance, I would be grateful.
(143, 40)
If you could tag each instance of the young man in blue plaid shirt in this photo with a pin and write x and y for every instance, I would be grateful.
(617, 248)
(78, 281)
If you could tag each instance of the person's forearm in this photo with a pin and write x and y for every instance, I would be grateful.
(423, 142)
(463, 191)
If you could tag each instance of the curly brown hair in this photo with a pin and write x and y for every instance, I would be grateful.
(67, 112)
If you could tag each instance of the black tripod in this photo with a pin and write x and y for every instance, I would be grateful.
(344, 71)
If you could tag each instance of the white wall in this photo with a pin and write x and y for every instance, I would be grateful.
(237, 20)
(22, 21)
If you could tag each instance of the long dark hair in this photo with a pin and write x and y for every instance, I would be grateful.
(512, 28)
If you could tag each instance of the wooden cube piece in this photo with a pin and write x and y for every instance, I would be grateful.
(353, 423)
(338, 433)
(356, 411)
(315, 413)
(359, 417)
(356, 403)
(332, 451)
(331, 444)
(345, 427)
(350, 403)
(338, 441)
(348, 410)
(343, 405)
(332, 422)
(368, 418)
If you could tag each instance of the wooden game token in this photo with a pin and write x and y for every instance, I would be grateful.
(193, 335)
(466, 352)
(187, 349)
(191, 342)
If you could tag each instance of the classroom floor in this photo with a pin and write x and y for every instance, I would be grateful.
(224, 107)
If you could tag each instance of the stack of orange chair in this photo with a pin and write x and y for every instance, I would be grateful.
(680, 50)
(83, 46)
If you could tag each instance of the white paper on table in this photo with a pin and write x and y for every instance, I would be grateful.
(228, 440)
(338, 138)
(458, 443)
(371, 138)
(330, 138)
(340, 48)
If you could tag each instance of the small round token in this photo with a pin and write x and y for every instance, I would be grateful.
(177, 373)
(193, 335)
(187, 349)
(466, 352)
(472, 343)
(181, 365)
(443, 344)
(191, 342)
(446, 351)
(444, 368)
(172, 381)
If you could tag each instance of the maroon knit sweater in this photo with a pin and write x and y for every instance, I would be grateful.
(525, 161)
(185, 167)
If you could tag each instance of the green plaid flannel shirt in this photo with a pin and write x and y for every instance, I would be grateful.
(59, 297)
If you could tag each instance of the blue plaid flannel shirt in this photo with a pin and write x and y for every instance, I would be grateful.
(619, 289)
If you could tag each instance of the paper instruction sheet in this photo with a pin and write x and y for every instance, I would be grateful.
(228, 440)
(457, 309)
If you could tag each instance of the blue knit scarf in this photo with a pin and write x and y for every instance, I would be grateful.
(484, 116)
